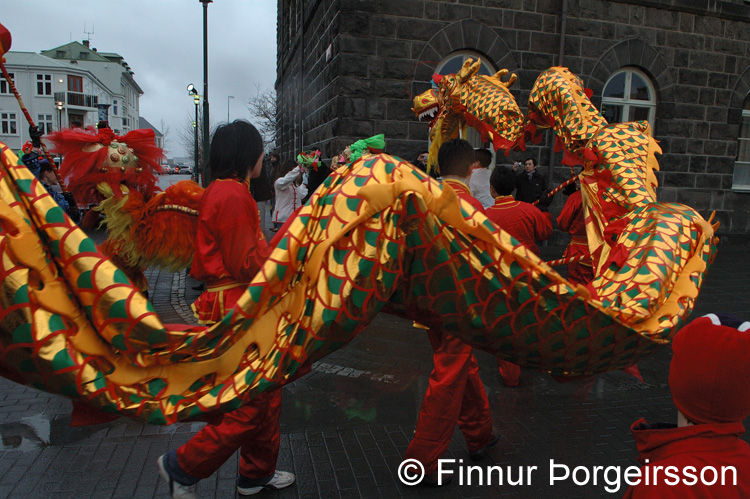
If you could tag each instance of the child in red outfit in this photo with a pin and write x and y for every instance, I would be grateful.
(455, 394)
(708, 379)
(227, 259)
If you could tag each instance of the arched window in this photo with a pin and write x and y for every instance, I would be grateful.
(452, 64)
(629, 96)
(741, 177)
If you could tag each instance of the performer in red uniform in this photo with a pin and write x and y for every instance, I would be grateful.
(227, 259)
(526, 223)
(571, 220)
(455, 393)
(708, 379)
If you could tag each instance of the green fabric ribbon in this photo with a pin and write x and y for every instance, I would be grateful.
(359, 147)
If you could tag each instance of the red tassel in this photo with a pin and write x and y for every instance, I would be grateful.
(633, 371)
(589, 154)
(90, 220)
(570, 159)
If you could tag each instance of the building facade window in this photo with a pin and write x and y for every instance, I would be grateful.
(629, 96)
(44, 122)
(44, 84)
(75, 84)
(741, 177)
(8, 124)
(4, 86)
(114, 107)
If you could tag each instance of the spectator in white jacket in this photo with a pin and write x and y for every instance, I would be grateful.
(288, 193)
(480, 177)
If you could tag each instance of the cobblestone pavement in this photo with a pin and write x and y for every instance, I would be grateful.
(346, 425)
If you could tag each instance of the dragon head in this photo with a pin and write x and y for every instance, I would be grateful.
(92, 157)
(426, 105)
(441, 105)
(559, 101)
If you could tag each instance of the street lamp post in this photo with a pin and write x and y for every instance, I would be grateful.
(59, 105)
(197, 100)
(206, 126)
(228, 97)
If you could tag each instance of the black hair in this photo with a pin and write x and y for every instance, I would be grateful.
(503, 181)
(284, 167)
(484, 156)
(315, 178)
(455, 158)
(44, 166)
(533, 160)
(235, 148)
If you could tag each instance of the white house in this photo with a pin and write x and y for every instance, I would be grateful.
(64, 87)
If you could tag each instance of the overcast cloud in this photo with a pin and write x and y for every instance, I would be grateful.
(162, 41)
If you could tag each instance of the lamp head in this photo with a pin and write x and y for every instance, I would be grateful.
(191, 89)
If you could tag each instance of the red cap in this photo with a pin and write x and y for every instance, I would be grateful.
(710, 372)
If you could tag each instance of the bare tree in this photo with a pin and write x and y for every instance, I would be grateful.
(186, 135)
(265, 109)
(166, 137)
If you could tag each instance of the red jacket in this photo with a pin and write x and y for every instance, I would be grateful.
(524, 221)
(698, 446)
(229, 242)
(464, 192)
(230, 247)
(571, 217)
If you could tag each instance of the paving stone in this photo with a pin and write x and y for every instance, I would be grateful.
(337, 455)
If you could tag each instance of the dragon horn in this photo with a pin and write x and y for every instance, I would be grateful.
(468, 69)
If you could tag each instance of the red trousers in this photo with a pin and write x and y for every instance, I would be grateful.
(455, 394)
(253, 428)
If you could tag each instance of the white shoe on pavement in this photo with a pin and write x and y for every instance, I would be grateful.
(279, 480)
(176, 489)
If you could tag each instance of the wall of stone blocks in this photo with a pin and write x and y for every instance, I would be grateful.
(697, 54)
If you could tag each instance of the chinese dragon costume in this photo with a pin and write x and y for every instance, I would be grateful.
(146, 227)
(378, 235)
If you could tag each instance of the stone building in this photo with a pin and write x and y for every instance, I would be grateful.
(346, 70)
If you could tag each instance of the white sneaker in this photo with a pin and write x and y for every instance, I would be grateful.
(178, 490)
(279, 480)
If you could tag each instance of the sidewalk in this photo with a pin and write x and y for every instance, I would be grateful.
(346, 425)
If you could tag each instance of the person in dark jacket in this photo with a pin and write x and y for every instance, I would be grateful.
(530, 184)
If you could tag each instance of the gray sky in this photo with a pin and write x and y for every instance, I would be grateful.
(162, 41)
